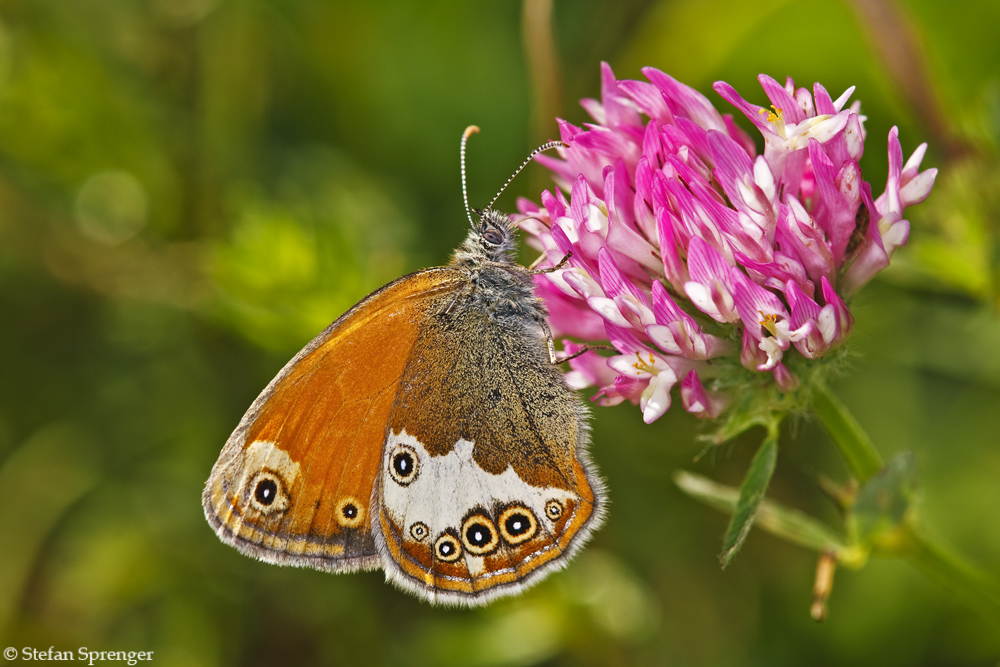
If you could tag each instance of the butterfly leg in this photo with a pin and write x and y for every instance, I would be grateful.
(458, 297)
(562, 262)
(550, 344)
(583, 350)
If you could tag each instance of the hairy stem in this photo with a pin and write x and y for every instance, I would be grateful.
(848, 436)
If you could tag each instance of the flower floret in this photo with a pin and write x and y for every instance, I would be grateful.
(692, 254)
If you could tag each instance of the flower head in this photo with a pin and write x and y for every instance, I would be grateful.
(692, 254)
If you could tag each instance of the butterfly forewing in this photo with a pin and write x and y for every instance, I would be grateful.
(294, 482)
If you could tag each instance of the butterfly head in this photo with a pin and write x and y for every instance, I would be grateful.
(490, 240)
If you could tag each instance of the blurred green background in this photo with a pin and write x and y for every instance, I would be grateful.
(191, 189)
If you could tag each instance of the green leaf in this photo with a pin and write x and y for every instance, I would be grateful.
(884, 501)
(751, 495)
(785, 522)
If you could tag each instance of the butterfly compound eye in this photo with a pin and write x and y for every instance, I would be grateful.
(403, 464)
(493, 237)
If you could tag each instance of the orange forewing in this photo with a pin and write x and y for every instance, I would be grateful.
(293, 484)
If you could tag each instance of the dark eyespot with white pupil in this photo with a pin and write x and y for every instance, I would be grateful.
(403, 464)
(418, 531)
(266, 491)
(478, 535)
(350, 511)
(517, 524)
(493, 237)
(447, 548)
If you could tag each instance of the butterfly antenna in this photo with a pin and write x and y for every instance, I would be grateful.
(540, 149)
(469, 131)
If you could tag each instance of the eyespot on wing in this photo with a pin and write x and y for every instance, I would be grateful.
(323, 415)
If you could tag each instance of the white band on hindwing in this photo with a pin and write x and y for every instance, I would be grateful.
(442, 490)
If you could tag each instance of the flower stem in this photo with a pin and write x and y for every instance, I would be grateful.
(963, 581)
(845, 431)
(949, 571)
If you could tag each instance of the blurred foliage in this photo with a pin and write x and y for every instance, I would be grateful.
(190, 189)
(960, 249)
(327, 235)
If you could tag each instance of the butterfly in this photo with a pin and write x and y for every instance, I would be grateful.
(427, 431)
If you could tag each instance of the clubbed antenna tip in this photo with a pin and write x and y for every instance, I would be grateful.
(473, 129)
(469, 131)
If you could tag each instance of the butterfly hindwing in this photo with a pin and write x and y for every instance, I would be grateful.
(484, 482)
(293, 484)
